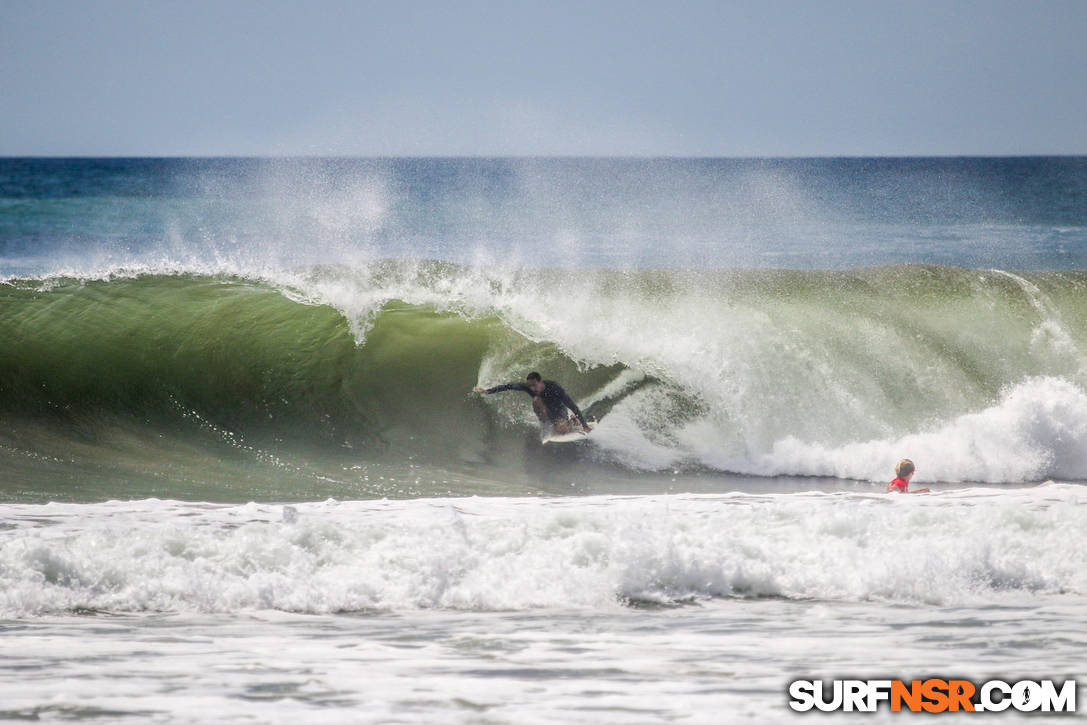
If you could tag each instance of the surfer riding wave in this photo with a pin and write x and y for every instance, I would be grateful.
(549, 401)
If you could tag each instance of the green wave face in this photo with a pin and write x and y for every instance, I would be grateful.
(235, 387)
(342, 381)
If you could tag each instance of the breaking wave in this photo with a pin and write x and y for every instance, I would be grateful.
(977, 375)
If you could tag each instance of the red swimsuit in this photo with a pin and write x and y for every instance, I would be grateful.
(900, 483)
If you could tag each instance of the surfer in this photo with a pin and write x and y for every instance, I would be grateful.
(549, 401)
(901, 484)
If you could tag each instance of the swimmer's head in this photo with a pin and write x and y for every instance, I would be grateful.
(904, 468)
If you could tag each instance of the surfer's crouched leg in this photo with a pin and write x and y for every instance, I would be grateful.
(563, 426)
(540, 409)
(557, 426)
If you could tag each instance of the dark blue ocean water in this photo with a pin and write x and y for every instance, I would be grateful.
(1013, 213)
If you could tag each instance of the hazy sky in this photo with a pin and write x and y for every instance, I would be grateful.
(756, 78)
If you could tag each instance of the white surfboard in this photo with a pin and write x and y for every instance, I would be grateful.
(571, 437)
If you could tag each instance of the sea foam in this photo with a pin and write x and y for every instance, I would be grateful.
(969, 547)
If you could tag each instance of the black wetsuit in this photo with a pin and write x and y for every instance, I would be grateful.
(554, 398)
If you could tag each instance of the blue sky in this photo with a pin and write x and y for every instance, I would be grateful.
(694, 78)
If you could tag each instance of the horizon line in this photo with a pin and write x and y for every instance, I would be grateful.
(542, 157)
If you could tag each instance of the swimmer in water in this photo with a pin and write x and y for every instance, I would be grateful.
(901, 484)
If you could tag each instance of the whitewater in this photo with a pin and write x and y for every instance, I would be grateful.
(243, 477)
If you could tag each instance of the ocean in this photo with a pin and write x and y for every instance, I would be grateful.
(243, 477)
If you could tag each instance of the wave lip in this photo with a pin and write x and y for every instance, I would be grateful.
(972, 546)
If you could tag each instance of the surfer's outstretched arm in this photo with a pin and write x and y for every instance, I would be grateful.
(508, 386)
